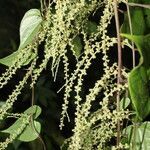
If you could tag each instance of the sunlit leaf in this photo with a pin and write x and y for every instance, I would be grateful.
(30, 133)
(9, 60)
(29, 28)
(31, 130)
(30, 25)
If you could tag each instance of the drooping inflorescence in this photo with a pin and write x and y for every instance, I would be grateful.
(62, 23)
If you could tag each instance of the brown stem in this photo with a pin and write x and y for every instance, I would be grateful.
(32, 120)
(119, 64)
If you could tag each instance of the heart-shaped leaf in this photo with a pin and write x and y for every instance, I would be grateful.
(139, 77)
(31, 130)
(30, 133)
(30, 26)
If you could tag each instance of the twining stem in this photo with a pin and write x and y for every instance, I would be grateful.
(131, 32)
(33, 99)
(133, 59)
(32, 120)
(119, 65)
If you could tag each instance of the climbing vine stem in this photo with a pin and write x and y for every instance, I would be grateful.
(131, 32)
(119, 65)
(32, 104)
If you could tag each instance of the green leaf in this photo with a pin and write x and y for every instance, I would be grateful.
(9, 60)
(31, 131)
(140, 19)
(30, 26)
(124, 103)
(138, 27)
(138, 136)
(147, 18)
(2, 103)
(139, 77)
(139, 91)
(143, 45)
(33, 110)
(90, 27)
(77, 46)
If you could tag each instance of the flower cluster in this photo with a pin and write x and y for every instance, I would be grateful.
(62, 23)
